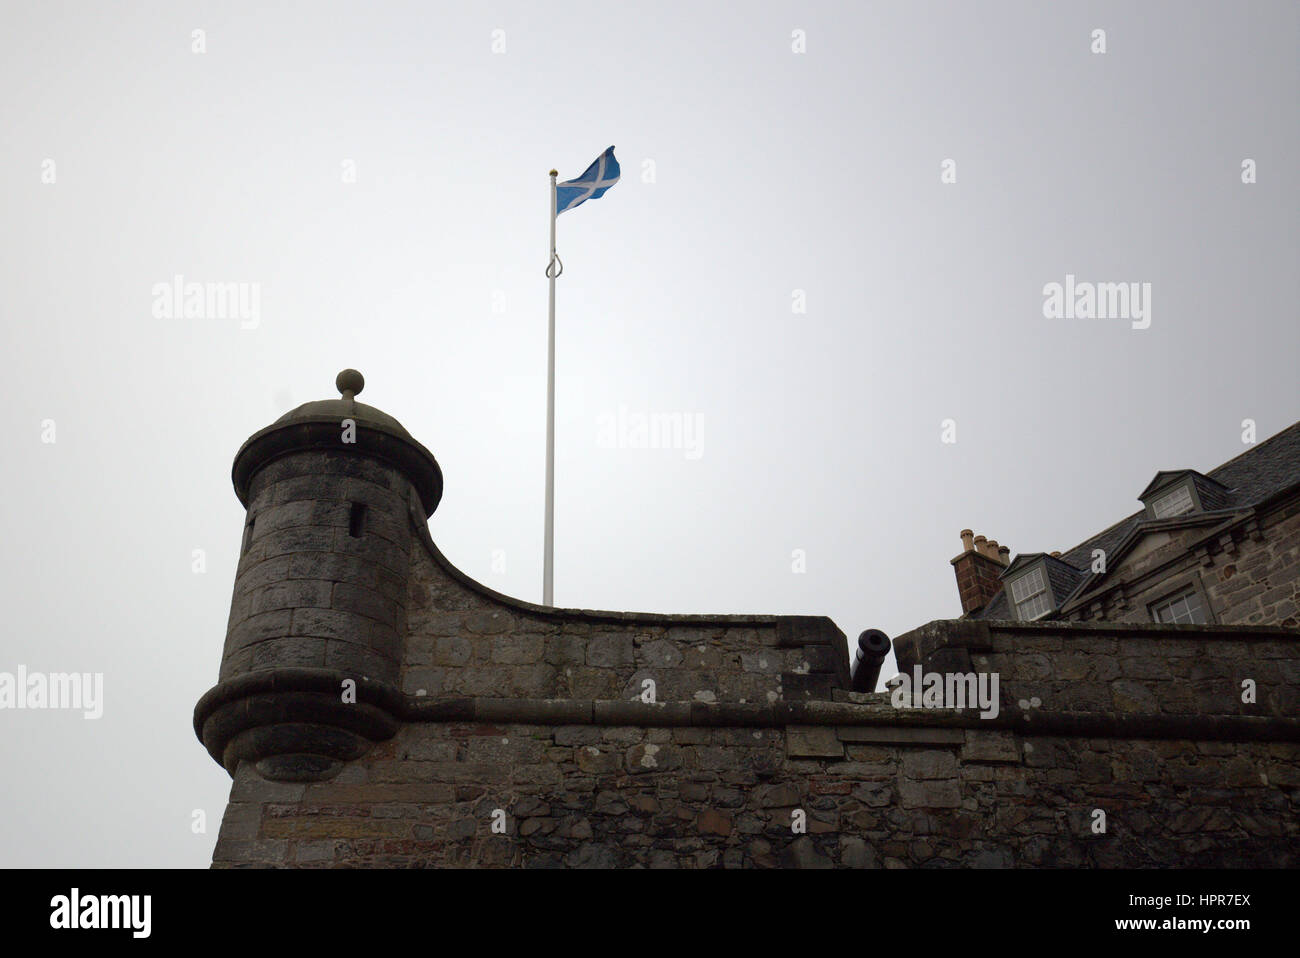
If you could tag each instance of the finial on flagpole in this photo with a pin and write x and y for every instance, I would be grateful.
(555, 173)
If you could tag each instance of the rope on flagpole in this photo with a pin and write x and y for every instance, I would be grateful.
(555, 258)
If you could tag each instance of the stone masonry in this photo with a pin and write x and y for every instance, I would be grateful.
(376, 707)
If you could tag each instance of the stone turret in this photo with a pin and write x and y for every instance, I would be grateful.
(313, 654)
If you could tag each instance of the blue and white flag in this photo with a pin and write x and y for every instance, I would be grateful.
(591, 185)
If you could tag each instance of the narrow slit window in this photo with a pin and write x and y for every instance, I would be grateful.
(357, 520)
(248, 534)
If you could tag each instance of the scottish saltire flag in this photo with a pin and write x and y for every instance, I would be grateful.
(591, 185)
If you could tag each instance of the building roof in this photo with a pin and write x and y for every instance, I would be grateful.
(1257, 475)
(1167, 477)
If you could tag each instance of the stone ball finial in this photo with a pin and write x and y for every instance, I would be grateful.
(349, 383)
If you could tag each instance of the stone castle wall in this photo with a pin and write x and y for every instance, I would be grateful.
(465, 640)
(376, 707)
(532, 721)
(699, 797)
(1183, 672)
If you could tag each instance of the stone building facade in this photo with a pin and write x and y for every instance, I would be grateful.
(376, 707)
(1223, 547)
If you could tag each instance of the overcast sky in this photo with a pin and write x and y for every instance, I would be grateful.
(756, 180)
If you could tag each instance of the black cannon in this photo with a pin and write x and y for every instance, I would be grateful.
(873, 646)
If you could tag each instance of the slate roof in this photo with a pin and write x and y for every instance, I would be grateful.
(1064, 578)
(1213, 496)
(998, 608)
(1166, 477)
(1261, 472)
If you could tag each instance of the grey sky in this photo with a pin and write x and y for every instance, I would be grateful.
(774, 171)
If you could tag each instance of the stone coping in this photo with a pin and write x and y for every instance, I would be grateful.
(556, 712)
(974, 629)
(1151, 630)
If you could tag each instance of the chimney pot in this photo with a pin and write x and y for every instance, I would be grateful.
(976, 583)
(1004, 555)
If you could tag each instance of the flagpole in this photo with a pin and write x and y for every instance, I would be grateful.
(548, 561)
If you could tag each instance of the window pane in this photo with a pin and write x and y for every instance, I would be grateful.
(1033, 608)
(1173, 504)
(1029, 584)
(1185, 609)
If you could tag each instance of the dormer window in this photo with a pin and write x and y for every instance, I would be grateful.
(1030, 596)
(1036, 584)
(1182, 491)
(1173, 503)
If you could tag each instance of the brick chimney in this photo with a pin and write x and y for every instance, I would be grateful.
(977, 569)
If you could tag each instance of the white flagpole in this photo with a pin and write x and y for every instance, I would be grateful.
(548, 562)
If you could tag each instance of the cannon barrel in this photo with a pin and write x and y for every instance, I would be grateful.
(873, 646)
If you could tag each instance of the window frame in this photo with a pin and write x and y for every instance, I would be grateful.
(1187, 484)
(1039, 569)
(1175, 590)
